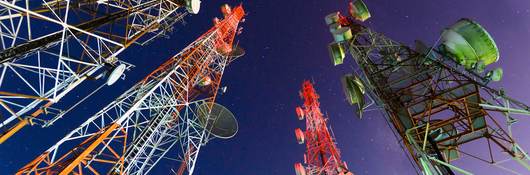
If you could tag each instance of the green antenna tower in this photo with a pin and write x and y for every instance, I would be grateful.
(436, 98)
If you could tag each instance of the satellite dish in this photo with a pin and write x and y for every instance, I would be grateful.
(469, 44)
(354, 91)
(226, 10)
(233, 53)
(299, 135)
(223, 89)
(115, 74)
(300, 113)
(333, 27)
(337, 53)
(359, 10)
(220, 122)
(332, 18)
(342, 34)
(193, 6)
(299, 169)
(236, 52)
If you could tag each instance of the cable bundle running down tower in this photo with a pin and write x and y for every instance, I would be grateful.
(173, 107)
(49, 47)
(322, 156)
(438, 99)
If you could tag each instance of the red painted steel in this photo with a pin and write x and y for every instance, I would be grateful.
(322, 155)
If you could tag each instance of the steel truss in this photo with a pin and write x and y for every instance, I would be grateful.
(130, 135)
(49, 47)
(436, 105)
(322, 155)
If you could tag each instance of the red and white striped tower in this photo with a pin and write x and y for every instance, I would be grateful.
(164, 111)
(322, 156)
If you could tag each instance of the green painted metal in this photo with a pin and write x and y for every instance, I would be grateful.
(495, 74)
(523, 156)
(425, 166)
(522, 162)
(353, 88)
(342, 34)
(333, 27)
(505, 109)
(354, 91)
(424, 157)
(332, 18)
(337, 53)
(460, 170)
(474, 48)
(359, 10)
(470, 44)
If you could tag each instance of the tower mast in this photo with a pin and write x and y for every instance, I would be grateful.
(438, 99)
(170, 108)
(322, 156)
(48, 48)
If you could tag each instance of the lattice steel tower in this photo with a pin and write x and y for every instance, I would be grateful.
(322, 156)
(173, 107)
(438, 99)
(49, 47)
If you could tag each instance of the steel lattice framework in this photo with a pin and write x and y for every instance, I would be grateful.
(49, 47)
(130, 135)
(436, 105)
(322, 156)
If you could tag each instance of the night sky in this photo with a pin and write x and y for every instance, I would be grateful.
(286, 43)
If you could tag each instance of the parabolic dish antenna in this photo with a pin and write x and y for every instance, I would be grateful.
(359, 10)
(194, 6)
(354, 90)
(115, 74)
(469, 43)
(236, 53)
(221, 123)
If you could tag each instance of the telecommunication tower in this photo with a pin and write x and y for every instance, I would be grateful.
(50, 47)
(322, 156)
(172, 108)
(438, 98)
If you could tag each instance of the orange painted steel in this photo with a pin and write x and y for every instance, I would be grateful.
(92, 25)
(78, 157)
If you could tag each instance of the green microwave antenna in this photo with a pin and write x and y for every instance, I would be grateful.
(354, 90)
(437, 98)
(337, 53)
(342, 33)
(470, 45)
(359, 10)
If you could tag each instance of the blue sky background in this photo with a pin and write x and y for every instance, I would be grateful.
(286, 43)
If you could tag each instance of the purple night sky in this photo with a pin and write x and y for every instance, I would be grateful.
(286, 43)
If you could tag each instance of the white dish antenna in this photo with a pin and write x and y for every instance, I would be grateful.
(115, 74)
(194, 6)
